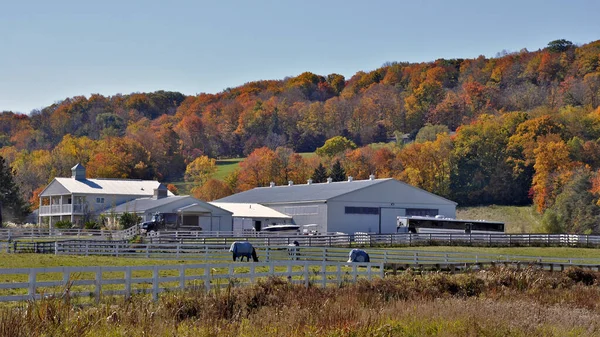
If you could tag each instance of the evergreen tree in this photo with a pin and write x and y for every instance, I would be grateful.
(337, 172)
(12, 204)
(320, 174)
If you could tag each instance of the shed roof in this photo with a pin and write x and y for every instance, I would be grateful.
(141, 205)
(299, 193)
(250, 210)
(109, 186)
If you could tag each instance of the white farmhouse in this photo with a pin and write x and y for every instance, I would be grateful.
(350, 206)
(76, 197)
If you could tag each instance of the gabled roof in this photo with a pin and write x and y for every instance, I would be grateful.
(109, 186)
(298, 193)
(141, 205)
(250, 210)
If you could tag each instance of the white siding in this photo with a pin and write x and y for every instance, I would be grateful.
(306, 213)
(392, 198)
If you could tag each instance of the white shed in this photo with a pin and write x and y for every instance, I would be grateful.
(253, 216)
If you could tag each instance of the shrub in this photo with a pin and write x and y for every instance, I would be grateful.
(63, 224)
(127, 220)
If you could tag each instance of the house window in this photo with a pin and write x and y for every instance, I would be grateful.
(421, 212)
(99, 200)
(362, 210)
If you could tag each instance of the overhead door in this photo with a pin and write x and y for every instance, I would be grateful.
(387, 220)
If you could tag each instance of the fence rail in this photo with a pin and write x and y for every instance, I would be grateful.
(36, 283)
(217, 252)
(332, 240)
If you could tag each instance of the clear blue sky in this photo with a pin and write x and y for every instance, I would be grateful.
(50, 50)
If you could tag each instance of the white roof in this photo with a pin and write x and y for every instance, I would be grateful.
(110, 186)
(250, 210)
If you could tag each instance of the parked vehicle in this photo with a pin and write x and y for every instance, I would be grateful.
(158, 220)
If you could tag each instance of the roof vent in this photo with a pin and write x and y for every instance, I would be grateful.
(290, 183)
(329, 180)
(372, 177)
(78, 172)
(160, 192)
(272, 184)
(309, 181)
(350, 178)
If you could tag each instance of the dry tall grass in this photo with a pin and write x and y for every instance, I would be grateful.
(499, 302)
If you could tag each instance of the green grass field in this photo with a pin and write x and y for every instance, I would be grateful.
(518, 219)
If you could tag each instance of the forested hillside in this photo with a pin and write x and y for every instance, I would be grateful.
(519, 128)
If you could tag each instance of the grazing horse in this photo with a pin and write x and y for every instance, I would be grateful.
(358, 255)
(241, 249)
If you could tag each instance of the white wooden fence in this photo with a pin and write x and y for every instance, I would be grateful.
(362, 239)
(36, 283)
(293, 253)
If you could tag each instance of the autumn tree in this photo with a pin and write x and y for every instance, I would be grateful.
(200, 170)
(334, 146)
(428, 165)
(430, 132)
(212, 189)
(574, 210)
(552, 172)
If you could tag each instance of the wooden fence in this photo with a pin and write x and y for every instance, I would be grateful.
(335, 240)
(286, 253)
(36, 283)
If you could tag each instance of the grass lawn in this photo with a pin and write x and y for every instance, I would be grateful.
(226, 166)
(518, 219)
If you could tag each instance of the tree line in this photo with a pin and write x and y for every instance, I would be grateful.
(514, 129)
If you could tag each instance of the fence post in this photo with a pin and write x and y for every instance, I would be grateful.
(416, 258)
(178, 247)
(324, 274)
(32, 280)
(339, 273)
(207, 278)
(98, 284)
(354, 273)
(127, 282)
(182, 277)
(155, 283)
(385, 256)
(306, 283)
(147, 251)
(252, 272)
(55, 247)
(87, 248)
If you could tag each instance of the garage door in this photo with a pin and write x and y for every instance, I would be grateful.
(388, 219)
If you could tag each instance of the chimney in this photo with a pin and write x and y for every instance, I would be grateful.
(290, 183)
(272, 184)
(309, 181)
(78, 172)
(350, 178)
(329, 180)
(372, 177)
(160, 192)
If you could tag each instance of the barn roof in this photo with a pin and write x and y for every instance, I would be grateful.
(141, 205)
(321, 192)
(299, 193)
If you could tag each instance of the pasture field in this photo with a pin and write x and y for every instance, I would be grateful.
(518, 219)
(565, 252)
(497, 302)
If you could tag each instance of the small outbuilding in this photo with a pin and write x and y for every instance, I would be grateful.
(179, 212)
(253, 216)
